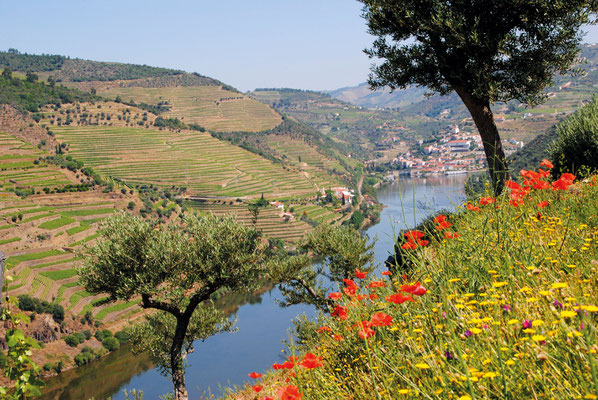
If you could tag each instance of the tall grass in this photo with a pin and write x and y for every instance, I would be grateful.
(501, 303)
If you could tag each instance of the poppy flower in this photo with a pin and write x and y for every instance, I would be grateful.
(377, 284)
(287, 365)
(387, 273)
(290, 392)
(373, 297)
(338, 338)
(414, 235)
(257, 388)
(380, 319)
(451, 235)
(366, 333)
(486, 200)
(276, 366)
(546, 163)
(324, 329)
(513, 185)
(255, 375)
(339, 311)
(439, 219)
(423, 243)
(543, 204)
(267, 398)
(443, 225)
(398, 298)
(350, 290)
(311, 361)
(360, 274)
(335, 295)
(471, 207)
(416, 289)
(409, 245)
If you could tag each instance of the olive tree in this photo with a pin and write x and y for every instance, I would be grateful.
(485, 51)
(174, 269)
(337, 252)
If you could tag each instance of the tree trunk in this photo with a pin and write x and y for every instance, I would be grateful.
(495, 156)
(176, 358)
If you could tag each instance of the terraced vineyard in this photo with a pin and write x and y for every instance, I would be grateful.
(209, 106)
(194, 160)
(41, 248)
(20, 168)
(269, 219)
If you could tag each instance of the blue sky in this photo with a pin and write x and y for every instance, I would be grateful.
(307, 44)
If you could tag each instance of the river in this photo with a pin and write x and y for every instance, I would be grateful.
(225, 360)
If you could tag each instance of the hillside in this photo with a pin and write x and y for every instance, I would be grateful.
(362, 95)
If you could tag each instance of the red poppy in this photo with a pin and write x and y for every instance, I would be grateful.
(255, 375)
(257, 388)
(350, 283)
(414, 235)
(423, 243)
(360, 274)
(338, 338)
(543, 204)
(324, 329)
(451, 235)
(443, 225)
(276, 366)
(350, 290)
(311, 361)
(471, 207)
(366, 333)
(416, 289)
(290, 392)
(267, 398)
(486, 200)
(387, 273)
(398, 298)
(287, 365)
(335, 295)
(377, 284)
(439, 219)
(374, 297)
(409, 245)
(381, 319)
(547, 164)
(513, 185)
(339, 311)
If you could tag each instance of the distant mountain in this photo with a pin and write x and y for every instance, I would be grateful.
(362, 95)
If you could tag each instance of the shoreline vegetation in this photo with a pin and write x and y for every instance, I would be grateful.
(495, 299)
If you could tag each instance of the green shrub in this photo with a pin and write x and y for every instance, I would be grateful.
(576, 149)
(122, 336)
(103, 334)
(111, 343)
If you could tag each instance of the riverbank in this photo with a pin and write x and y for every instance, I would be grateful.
(498, 300)
(225, 360)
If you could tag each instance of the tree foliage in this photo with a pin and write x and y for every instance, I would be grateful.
(176, 269)
(339, 251)
(576, 149)
(485, 51)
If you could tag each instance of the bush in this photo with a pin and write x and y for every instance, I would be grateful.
(103, 334)
(47, 367)
(576, 149)
(28, 303)
(111, 343)
(122, 336)
(72, 340)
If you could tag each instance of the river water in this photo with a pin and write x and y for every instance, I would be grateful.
(225, 360)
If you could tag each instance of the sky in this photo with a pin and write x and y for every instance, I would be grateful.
(305, 44)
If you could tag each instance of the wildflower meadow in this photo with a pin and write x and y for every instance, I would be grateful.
(499, 301)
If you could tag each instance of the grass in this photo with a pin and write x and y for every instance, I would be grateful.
(10, 240)
(14, 260)
(56, 223)
(60, 274)
(115, 308)
(501, 303)
(86, 212)
(82, 227)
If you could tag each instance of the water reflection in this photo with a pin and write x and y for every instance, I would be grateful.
(225, 360)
